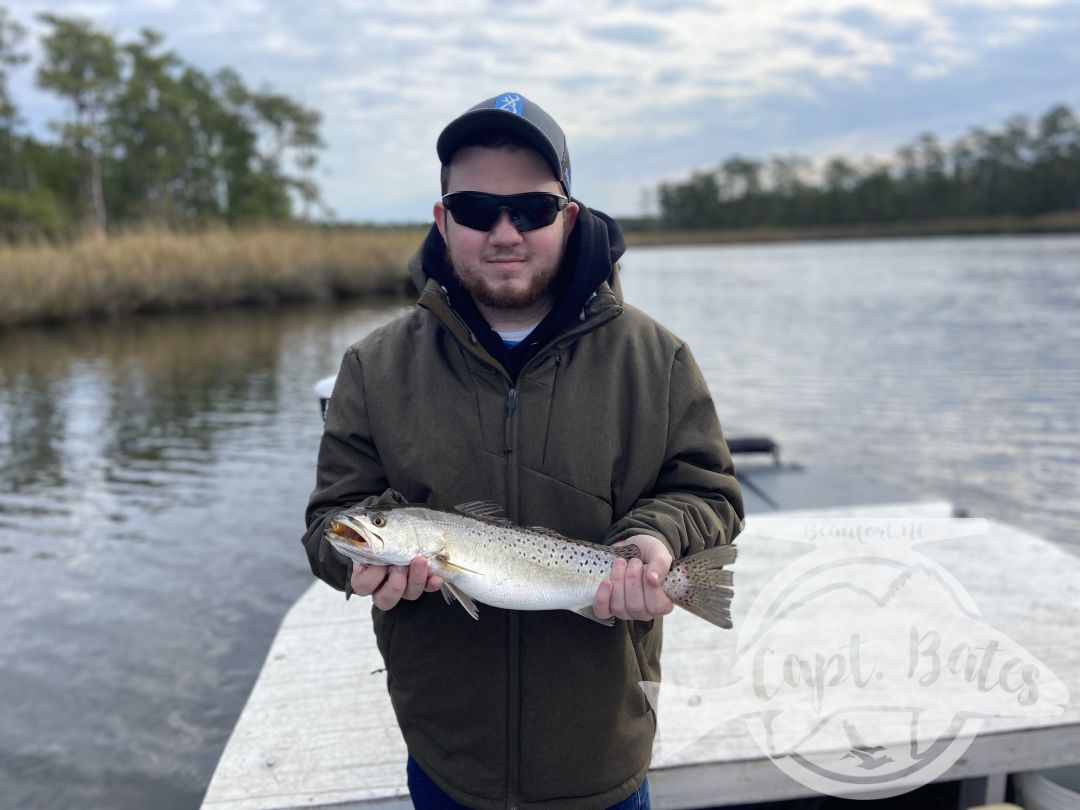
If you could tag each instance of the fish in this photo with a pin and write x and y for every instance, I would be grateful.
(483, 557)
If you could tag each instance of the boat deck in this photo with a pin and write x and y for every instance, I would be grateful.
(318, 729)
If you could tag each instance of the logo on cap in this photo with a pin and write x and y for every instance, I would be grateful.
(511, 103)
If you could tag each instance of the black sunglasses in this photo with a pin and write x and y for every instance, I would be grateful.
(480, 211)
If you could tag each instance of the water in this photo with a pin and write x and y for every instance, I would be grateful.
(153, 474)
(153, 477)
(941, 367)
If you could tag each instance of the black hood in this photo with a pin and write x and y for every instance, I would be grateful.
(594, 248)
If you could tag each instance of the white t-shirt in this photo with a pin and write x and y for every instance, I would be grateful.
(512, 337)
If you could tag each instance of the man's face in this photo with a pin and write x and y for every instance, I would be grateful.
(504, 269)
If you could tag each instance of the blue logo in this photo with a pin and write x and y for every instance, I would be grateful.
(511, 102)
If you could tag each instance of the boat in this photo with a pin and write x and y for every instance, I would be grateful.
(318, 728)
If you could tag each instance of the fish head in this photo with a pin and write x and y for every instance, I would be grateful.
(369, 536)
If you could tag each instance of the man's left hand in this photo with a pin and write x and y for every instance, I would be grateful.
(632, 590)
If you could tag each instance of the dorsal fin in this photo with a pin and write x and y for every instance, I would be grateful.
(484, 509)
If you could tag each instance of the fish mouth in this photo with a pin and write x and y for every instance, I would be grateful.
(349, 534)
(352, 540)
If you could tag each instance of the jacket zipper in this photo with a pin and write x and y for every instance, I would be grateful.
(508, 447)
(513, 719)
(513, 669)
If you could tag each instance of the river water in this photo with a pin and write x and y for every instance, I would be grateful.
(153, 473)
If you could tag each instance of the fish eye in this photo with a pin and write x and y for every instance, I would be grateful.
(378, 521)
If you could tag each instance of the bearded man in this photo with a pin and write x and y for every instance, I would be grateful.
(523, 379)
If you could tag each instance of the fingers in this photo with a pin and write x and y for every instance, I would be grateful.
(657, 602)
(618, 591)
(417, 579)
(602, 601)
(390, 592)
(366, 579)
(632, 591)
(387, 585)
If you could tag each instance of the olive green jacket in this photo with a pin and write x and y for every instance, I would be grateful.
(608, 431)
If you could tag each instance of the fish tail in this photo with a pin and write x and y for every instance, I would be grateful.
(700, 584)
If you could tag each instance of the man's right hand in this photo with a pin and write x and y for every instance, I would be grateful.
(389, 584)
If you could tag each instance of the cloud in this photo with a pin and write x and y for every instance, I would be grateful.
(680, 82)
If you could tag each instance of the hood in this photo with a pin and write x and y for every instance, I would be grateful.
(592, 255)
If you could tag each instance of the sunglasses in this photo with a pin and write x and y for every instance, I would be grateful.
(480, 211)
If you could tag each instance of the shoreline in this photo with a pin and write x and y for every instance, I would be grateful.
(1063, 222)
(160, 272)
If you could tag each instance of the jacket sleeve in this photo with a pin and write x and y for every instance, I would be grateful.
(695, 503)
(349, 472)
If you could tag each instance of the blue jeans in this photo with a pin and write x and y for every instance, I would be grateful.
(426, 795)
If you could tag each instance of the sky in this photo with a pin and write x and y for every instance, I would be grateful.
(646, 91)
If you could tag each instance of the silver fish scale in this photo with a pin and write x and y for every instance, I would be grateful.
(510, 566)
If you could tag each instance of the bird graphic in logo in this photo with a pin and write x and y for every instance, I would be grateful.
(509, 102)
(868, 754)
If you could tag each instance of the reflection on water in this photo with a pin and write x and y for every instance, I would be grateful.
(942, 367)
(153, 474)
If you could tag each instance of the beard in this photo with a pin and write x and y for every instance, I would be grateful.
(506, 296)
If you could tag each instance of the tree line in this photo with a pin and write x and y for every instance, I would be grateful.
(147, 139)
(1022, 169)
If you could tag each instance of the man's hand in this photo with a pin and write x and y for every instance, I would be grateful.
(389, 584)
(632, 590)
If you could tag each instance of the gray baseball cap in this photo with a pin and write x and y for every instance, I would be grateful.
(515, 114)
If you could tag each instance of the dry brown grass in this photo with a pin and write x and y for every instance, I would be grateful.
(156, 271)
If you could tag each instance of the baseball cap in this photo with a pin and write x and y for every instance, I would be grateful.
(515, 114)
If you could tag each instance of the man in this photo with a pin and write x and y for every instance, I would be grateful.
(524, 380)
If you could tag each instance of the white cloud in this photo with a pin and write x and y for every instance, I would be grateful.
(619, 76)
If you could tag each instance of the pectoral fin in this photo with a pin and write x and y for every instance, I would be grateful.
(450, 592)
(588, 613)
(446, 565)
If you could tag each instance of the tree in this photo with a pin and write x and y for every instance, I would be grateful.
(841, 181)
(1056, 147)
(306, 140)
(693, 204)
(12, 34)
(1017, 169)
(149, 137)
(293, 133)
(150, 128)
(82, 65)
(252, 181)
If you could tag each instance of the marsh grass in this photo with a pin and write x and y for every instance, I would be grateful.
(158, 271)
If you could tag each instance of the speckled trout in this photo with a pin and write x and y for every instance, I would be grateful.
(482, 557)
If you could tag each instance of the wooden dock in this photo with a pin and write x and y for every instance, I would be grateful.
(318, 729)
